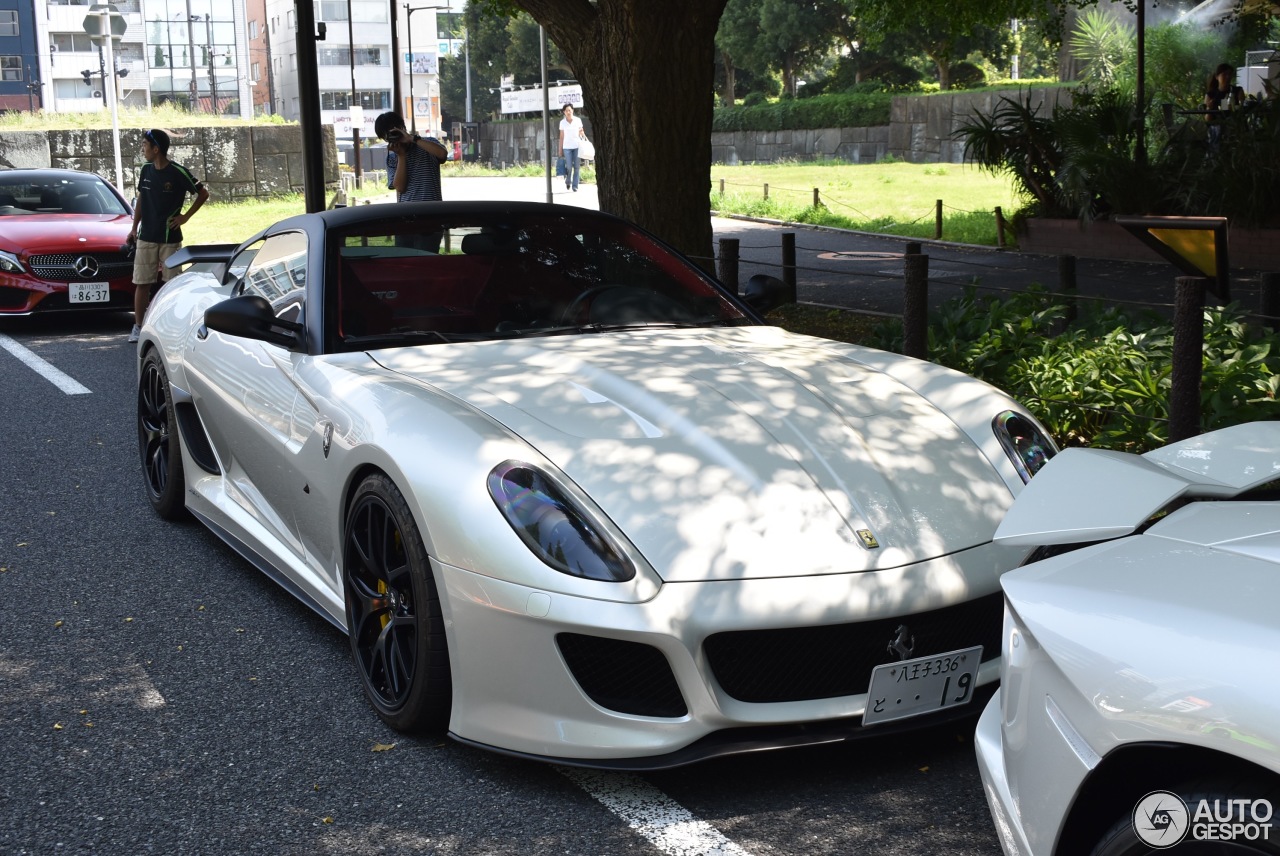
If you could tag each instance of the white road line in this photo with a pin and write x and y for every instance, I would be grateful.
(668, 825)
(62, 381)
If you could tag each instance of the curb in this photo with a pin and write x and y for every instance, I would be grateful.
(819, 228)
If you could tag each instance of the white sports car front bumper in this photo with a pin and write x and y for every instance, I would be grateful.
(522, 694)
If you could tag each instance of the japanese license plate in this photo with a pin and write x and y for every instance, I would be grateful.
(922, 685)
(89, 292)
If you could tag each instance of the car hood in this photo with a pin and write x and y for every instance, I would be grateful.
(34, 234)
(735, 453)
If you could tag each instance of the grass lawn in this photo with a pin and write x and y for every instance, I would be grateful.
(894, 198)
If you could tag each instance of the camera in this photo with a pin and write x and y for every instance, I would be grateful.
(397, 135)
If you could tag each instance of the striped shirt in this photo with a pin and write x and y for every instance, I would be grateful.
(424, 175)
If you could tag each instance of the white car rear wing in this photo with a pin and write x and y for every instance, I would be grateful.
(1094, 495)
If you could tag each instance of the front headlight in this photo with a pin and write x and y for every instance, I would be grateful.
(1026, 444)
(553, 527)
(9, 263)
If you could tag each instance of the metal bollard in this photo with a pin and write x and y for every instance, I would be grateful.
(937, 221)
(915, 303)
(789, 263)
(1067, 285)
(1188, 357)
(729, 264)
(999, 227)
(1271, 300)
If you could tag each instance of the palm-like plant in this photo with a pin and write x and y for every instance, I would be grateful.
(1014, 139)
(1104, 44)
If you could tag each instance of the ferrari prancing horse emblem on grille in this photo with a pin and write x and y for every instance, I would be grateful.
(903, 643)
(868, 540)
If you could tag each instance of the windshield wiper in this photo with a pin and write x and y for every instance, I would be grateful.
(638, 325)
(410, 336)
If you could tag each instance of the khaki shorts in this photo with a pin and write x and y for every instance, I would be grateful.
(147, 259)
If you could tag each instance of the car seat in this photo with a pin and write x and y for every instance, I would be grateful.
(82, 203)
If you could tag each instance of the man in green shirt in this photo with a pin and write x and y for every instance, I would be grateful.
(163, 187)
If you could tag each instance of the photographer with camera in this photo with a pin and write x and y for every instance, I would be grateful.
(413, 162)
(413, 170)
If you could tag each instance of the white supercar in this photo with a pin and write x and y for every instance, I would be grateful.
(570, 498)
(1139, 705)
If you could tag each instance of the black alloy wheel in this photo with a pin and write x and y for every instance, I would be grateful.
(393, 611)
(158, 442)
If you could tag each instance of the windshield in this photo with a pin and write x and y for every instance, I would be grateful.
(24, 194)
(413, 282)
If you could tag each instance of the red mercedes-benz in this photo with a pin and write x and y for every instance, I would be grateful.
(62, 242)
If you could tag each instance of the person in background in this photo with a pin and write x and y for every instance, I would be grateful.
(413, 172)
(1220, 93)
(163, 187)
(571, 131)
(413, 162)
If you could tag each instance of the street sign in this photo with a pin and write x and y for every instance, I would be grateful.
(530, 100)
(93, 21)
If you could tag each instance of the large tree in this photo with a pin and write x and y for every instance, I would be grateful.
(944, 32)
(647, 73)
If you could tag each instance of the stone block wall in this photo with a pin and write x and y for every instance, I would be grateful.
(920, 130)
(235, 162)
(519, 142)
(855, 145)
(922, 127)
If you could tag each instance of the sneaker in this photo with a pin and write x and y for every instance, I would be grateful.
(134, 333)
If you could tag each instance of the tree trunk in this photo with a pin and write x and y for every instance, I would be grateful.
(647, 69)
(727, 97)
(1068, 66)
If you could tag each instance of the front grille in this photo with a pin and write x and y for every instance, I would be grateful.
(629, 677)
(61, 267)
(802, 663)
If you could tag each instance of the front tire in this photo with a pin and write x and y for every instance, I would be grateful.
(158, 443)
(393, 611)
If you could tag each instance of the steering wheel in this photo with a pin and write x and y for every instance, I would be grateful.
(569, 316)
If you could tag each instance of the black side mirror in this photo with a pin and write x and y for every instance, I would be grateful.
(251, 317)
(764, 293)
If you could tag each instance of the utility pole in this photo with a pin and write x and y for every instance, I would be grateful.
(191, 40)
(213, 74)
(354, 108)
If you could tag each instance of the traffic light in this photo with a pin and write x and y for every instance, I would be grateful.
(87, 74)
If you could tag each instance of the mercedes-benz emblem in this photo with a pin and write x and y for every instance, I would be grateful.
(86, 267)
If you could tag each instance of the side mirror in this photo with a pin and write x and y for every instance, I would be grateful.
(764, 293)
(250, 316)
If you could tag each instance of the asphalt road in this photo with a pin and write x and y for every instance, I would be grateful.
(160, 695)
